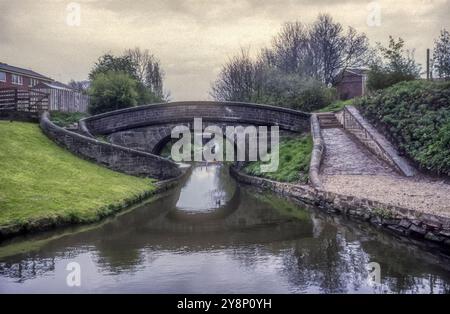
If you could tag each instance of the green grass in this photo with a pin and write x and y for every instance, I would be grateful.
(336, 106)
(41, 181)
(295, 156)
(64, 119)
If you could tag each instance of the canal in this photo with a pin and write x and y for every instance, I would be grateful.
(212, 235)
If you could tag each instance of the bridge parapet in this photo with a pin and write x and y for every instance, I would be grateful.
(232, 112)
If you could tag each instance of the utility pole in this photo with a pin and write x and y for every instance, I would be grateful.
(428, 65)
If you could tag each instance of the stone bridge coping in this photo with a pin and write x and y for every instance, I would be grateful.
(258, 114)
(193, 103)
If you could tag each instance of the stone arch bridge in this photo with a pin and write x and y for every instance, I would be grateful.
(136, 134)
(148, 128)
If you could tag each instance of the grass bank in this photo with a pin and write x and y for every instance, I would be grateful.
(336, 106)
(42, 184)
(415, 115)
(295, 156)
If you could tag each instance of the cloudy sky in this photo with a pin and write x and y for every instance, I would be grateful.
(192, 38)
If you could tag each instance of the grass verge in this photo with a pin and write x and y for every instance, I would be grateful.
(336, 106)
(295, 156)
(41, 183)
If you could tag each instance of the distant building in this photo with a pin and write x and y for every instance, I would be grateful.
(15, 77)
(351, 83)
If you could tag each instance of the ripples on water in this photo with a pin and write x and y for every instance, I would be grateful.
(214, 236)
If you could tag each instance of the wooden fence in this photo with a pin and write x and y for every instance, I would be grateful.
(66, 100)
(23, 100)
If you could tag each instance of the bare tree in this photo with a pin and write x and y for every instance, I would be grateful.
(148, 69)
(441, 55)
(299, 54)
(333, 50)
(290, 48)
(320, 50)
(236, 79)
(79, 86)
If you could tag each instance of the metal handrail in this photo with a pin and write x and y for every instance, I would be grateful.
(366, 133)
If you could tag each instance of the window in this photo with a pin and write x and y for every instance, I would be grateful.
(33, 82)
(17, 79)
(2, 76)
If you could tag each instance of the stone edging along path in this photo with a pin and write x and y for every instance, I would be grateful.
(400, 220)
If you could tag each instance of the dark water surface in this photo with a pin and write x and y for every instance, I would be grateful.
(213, 236)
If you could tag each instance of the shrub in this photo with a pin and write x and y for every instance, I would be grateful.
(293, 91)
(415, 115)
(392, 65)
(64, 119)
(112, 91)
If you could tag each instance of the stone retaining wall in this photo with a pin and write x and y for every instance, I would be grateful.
(356, 125)
(23, 116)
(396, 219)
(114, 157)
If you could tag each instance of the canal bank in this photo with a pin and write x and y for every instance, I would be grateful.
(42, 186)
(419, 222)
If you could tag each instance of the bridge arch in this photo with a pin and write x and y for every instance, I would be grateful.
(148, 127)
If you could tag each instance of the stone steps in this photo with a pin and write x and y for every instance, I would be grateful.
(328, 120)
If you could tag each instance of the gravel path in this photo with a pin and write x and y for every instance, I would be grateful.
(347, 157)
(349, 169)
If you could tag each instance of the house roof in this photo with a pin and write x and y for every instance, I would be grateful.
(53, 85)
(352, 71)
(16, 70)
(355, 71)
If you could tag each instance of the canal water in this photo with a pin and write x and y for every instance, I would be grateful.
(212, 235)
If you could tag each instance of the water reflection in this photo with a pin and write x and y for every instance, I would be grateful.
(251, 242)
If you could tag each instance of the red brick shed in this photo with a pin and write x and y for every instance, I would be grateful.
(351, 83)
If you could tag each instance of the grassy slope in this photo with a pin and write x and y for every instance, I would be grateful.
(416, 116)
(295, 155)
(39, 180)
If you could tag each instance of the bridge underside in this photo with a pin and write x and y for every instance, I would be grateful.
(152, 139)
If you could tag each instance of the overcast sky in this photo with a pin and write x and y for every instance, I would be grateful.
(192, 38)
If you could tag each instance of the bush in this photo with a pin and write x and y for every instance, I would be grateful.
(381, 78)
(64, 119)
(415, 115)
(112, 91)
(293, 91)
(392, 65)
